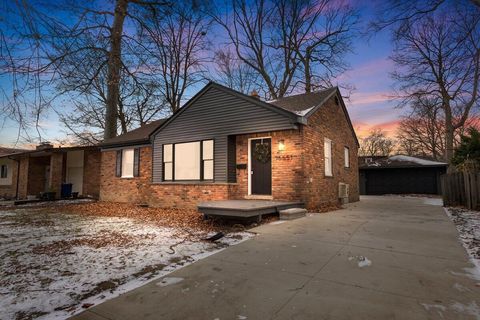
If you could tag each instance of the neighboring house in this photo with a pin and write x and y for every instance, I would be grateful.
(46, 168)
(223, 144)
(8, 172)
(400, 174)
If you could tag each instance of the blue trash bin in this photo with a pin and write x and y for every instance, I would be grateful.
(66, 190)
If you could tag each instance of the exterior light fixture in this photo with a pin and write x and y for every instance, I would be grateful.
(281, 145)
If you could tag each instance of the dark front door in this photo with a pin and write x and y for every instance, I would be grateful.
(261, 166)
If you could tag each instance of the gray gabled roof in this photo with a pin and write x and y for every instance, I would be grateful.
(303, 103)
(286, 113)
(296, 107)
(137, 136)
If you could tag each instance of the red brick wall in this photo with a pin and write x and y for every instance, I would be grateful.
(118, 189)
(91, 173)
(287, 179)
(36, 174)
(141, 190)
(328, 122)
(23, 178)
(56, 173)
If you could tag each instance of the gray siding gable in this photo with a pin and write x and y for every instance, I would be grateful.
(217, 113)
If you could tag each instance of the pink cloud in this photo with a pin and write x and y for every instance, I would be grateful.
(359, 98)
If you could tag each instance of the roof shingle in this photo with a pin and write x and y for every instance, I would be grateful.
(302, 103)
(135, 136)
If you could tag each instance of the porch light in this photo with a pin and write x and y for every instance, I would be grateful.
(281, 145)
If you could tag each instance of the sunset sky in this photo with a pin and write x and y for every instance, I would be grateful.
(369, 105)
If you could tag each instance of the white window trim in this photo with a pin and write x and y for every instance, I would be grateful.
(330, 174)
(249, 173)
(133, 163)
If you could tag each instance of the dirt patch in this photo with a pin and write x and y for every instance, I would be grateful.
(327, 207)
(23, 315)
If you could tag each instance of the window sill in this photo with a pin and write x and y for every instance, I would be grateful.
(127, 177)
(193, 183)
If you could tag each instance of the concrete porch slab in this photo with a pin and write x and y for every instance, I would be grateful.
(245, 208)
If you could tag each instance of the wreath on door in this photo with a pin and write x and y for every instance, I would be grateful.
(262, 152)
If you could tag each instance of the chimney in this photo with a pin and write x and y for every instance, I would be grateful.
(254, 94)
(44, 145)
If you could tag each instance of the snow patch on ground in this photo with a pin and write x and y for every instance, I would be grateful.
(433, 201)
(168, 281)
(471, 309)
(468, 226)
(361, 261)
(52, 264)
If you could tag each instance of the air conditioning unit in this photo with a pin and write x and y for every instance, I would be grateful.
(343, 192)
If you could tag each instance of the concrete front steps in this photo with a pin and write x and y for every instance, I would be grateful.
(292, 213)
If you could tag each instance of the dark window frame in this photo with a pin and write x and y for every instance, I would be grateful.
(202, 162)
(4, 171)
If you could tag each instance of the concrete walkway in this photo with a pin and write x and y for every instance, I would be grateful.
(381, 258)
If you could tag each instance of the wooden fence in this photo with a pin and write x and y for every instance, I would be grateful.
(461, 189)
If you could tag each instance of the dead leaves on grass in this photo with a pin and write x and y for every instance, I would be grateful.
(101, 239)
(173, 218)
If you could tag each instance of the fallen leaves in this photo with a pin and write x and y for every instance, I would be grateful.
(103, 238)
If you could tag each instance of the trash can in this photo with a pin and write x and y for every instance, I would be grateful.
(66, 190)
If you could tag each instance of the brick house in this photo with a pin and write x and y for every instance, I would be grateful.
(223, 144)
(8, 172)
(46, 168)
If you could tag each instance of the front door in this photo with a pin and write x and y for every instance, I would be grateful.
(261, 166)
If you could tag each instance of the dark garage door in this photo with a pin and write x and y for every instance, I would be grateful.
(401, 181)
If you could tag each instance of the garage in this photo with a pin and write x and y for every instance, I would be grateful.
(400, 174)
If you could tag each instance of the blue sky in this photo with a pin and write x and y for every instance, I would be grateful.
(369, 106)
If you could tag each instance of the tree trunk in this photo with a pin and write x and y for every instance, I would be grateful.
(308, 76)
(114, 67)
(448, 138)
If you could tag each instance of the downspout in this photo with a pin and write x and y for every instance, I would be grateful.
(18, 176)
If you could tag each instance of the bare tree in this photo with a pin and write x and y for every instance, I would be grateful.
(439, 59)
(290, 43)
(437, 55)
(39, 40)
(175, 49)
(376, 144)
(422, 131)
(322, 32)
(234, 73)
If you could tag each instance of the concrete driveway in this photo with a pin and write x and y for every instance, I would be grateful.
(381, 258)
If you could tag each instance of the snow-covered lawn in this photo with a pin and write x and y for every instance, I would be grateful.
(468, 226)
(55, 264)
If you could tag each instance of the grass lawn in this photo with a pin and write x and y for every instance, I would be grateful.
(57, 260)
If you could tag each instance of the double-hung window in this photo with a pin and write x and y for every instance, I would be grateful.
(328, 157)
(128, 163)
(188, 161)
